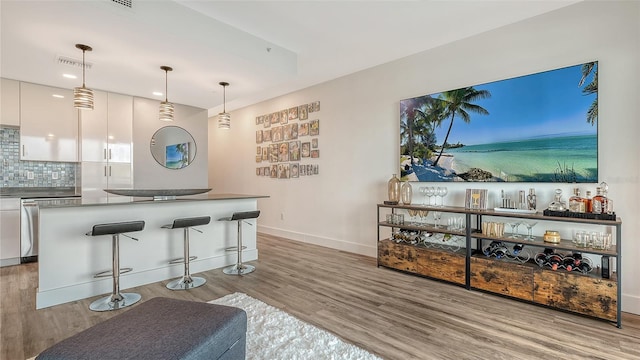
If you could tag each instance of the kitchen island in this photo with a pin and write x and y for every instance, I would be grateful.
(69, 259)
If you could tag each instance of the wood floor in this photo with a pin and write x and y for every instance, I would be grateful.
(391, 314)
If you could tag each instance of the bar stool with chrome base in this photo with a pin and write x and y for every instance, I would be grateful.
(116, 300)
(239, 268)
(187, 281)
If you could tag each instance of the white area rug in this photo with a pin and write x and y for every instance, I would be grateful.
(273, 334)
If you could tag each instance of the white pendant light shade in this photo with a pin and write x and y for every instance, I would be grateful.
(166, 108)
(224, 118)
(82, 96)
(166, 111)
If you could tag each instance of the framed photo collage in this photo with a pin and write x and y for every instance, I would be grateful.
(286, 141)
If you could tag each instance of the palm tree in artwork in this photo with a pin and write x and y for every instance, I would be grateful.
(183, 150)
(460, 102)
(410, 129)
(590, 88)
(431, 116)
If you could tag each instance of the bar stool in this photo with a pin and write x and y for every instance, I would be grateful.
(239, 268)
(186, 281)
(116, 300)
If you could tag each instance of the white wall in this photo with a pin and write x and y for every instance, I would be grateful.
(148, 174)
(359, 132)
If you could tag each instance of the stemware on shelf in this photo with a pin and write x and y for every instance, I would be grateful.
(442, 192)
(530, 225)
(423, 192)
(437, 215)
(514, 229)
(431, 191)
(423, 215)
(413, 213)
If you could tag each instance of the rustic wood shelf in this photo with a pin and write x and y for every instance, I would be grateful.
(591, 294)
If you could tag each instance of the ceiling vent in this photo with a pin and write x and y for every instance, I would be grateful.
(63, 60)
(126, 3)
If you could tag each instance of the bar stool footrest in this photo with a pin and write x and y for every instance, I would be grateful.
(181, 260)
(234, 248)
(109, 273)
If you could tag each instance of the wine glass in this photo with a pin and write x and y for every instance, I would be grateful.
(436, 217)
(442, 191)
(530, 225)
(423, 215)
(437, 192)
(514, 229)
(423, 192)
(430, 192)
(413, 213)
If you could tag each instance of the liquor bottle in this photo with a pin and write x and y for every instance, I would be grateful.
(599, 202)
(576, 202)
(588, 203)
(531, 199)
(608, 209)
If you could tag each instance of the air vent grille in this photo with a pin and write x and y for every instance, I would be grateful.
(63, 60)
(126, 3)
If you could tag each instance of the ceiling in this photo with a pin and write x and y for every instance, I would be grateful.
(262, 48)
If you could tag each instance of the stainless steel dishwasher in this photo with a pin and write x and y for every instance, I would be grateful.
(30, 226)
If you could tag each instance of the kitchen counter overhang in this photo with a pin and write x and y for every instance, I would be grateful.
(69, 259)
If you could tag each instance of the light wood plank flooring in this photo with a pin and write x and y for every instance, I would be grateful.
(391, 314)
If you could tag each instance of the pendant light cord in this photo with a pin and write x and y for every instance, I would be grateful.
(83, 67)
(224, 99)
(166, 87)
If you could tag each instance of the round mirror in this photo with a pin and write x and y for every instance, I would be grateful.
(173, 147)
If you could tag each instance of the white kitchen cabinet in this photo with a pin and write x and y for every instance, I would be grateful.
(107, 135)
(107, 131)
(48, 124)
(10, 97)
(97, 176)
(9, 231)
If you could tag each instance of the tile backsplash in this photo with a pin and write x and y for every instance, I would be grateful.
(15, 173)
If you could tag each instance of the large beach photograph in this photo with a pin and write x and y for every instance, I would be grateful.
(541, 127)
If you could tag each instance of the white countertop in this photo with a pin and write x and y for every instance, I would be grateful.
(120, 200)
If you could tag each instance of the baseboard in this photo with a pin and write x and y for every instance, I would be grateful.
(631, 304)
(347, 246)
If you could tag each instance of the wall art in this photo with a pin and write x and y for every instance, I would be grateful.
(541, 127)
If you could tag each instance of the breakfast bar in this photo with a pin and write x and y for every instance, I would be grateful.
(69, 259)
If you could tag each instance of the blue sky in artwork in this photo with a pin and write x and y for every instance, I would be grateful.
(173, 154)
(540, 105)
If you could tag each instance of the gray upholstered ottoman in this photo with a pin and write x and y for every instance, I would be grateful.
(160, 328)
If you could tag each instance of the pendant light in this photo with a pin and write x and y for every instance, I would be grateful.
(224, 119)
(83, 97)
(166, 108)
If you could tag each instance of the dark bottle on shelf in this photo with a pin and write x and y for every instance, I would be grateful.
(588, 203)
(517, 248)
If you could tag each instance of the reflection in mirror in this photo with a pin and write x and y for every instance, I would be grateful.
(173, 147)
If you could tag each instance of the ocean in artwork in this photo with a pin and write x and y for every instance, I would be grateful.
(548, 159)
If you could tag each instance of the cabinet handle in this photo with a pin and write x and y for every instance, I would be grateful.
(109, 170)
(105, 170)
(23, 150)
(104, 154)
(109, 154)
